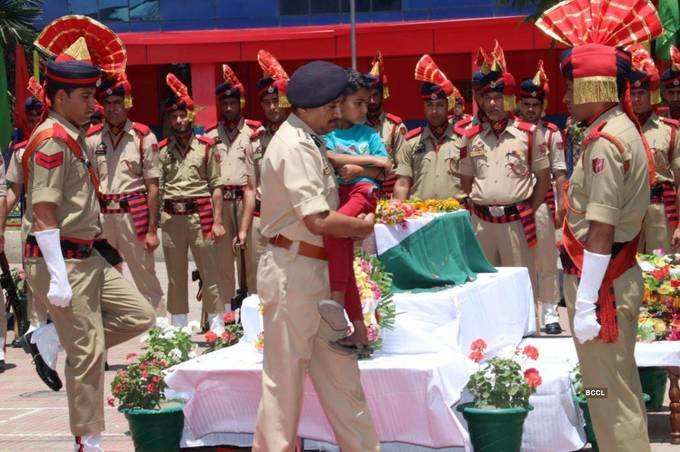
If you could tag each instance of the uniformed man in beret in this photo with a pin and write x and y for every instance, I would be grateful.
(125, 156)
(234, 137)
(506, 171)
(91, 305)
(299, 198)
(192, 210)
(271, 90)
(660, 226)
(428, 165)
(670, 83)
(606, 201)
(532, 103)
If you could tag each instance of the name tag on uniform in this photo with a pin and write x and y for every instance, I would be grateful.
(100, 149)
(477, 150)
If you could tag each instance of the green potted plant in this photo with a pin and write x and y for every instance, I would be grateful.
(233, 332)
(156, 424)
(500, 389)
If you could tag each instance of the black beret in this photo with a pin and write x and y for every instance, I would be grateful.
(528, 89)
(670, 78)
(316, 84)
(490, 80)
(639, 79)
(33, 104)
(226, 89)
(431, 91)
(72, 74)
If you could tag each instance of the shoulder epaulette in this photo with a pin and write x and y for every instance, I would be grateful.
(256, 133)
(141, 128)
(414, 133)
(551, 126)
(94, 129)
(671, 122)
(595, 134)
(394, 118)
(20, 145)
(210, 127)
(526, 126)
(206, 140)
(163, 143)
(253, 124)
(463, 128)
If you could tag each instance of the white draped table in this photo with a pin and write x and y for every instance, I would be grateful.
(410, 393)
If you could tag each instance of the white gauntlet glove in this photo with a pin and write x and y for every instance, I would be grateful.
(59, 293)
(586, 326)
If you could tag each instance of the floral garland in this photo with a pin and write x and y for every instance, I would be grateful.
(660, 314)
(375, 291)
(393, 211)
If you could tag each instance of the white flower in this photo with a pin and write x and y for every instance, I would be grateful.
(186, 330)
(176, 353)
(144, 339)
(162, 323)
(169, 335)
(194, 326)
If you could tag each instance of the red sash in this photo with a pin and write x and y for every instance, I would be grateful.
(620, 262)
(137, 206)
(550, 202)
(667, 198)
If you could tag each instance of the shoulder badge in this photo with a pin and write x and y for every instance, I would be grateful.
(206, 140)
(17, 146)
(551, 126)
(141, 128)
(94, 129)
(393, 118)
(674, 123)
(253, 124)
(525, 126)
(414, 133)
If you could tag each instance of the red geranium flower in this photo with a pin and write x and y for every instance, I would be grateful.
(110, 401)
(229, 317)
(227, 337)
(150, 388)
(476, 355)
(210, 337)
(531, 352)
(533, 378)
(675, 282)
(145, 374)
(478, 345)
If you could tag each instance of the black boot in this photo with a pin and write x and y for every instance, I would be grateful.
(553, 328)
(46, 374)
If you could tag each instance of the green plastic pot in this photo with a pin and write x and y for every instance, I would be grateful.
(156, 430)
(590, 433)
(495, 430)
(654, 382)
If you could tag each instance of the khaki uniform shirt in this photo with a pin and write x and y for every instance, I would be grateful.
(431, 164)
(57, 176)
(499, 165)
(193, 175)
(554, 145)
(609, 185)
(120, 164)
(392, 132)
(297, 181)
(232, 154)
(255, 154)
(15, 172)
(666, 154)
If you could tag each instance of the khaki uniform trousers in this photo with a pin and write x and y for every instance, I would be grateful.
(620, 419)
(257, 243)
(505, 245)
(227, 257)
(656, 232)
(181, 233)
(119, 230)
(544, 255)
(290, 288)
(3, 325)
(37, 304)
(106, 310)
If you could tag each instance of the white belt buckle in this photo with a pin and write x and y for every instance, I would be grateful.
(497, 211)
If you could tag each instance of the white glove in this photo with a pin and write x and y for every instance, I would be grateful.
(60, 293)
(595, 266)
